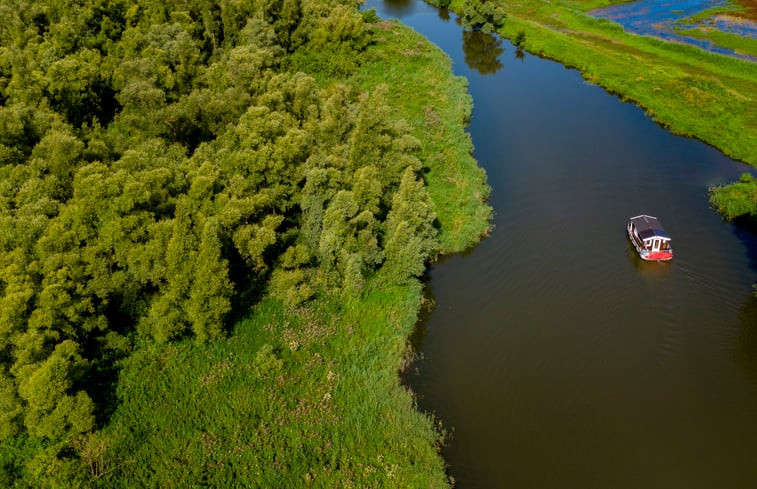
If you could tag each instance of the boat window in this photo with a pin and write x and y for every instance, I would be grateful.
(656, 245)
(664, 245)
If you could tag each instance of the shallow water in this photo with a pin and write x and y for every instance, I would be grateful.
(660, 17)
(554, 355)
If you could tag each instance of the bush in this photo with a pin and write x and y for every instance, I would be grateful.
(483, 15)
(520, 38)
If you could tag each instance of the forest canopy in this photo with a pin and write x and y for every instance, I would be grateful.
(163, 164)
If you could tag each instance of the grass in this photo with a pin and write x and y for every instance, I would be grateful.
(711, 12)
(692, 92)
(739, 44)
(737, 200)
(306, 397)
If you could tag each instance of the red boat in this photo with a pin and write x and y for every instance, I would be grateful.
(649, 238)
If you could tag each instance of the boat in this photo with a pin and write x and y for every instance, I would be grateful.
(649, 238)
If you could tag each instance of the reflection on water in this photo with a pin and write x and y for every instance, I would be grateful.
(443, 14)
(482, 51)
(398, 7)
(649, 270)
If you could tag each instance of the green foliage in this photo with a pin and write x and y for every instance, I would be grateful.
(163, 166)
(486, 16)
(210, 292)
(410, 236)
(51, 411)
(11, 408)
(737, 200)
(520, 38)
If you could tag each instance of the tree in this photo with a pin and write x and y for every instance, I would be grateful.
(483, 15)
(167, 317)
(52, 410)
(210, 292)
(410, 235)
(11, 409)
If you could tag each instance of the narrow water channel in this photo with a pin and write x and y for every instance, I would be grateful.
(554, 356)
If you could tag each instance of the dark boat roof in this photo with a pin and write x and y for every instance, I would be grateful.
(648, 226)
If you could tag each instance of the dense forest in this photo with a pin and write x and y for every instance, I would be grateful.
(163, 166)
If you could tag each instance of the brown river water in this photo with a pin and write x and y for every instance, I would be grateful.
(554, 356)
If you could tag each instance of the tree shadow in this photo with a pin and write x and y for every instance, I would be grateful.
(745, 228)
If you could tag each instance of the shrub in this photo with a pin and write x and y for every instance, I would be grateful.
(483, 15)
(520, 38)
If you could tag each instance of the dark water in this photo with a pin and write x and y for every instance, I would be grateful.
(661, 17)
(556, 357)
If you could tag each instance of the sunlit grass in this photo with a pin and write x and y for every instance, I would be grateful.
(739, 44)
(295, 397)
(738, 200)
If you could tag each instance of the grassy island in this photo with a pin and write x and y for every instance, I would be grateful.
(214, 216)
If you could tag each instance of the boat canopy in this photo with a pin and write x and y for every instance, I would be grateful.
(648, 227)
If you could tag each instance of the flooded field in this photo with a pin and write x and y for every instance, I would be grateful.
(685, 20)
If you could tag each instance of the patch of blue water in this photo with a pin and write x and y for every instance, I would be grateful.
(659, 18)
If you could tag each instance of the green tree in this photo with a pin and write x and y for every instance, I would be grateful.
(483, 15)
(11, 409)
(52, 410)
(167, 317)
(410, 235)
(210, 292)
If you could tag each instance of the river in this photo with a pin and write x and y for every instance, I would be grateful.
(554, 356)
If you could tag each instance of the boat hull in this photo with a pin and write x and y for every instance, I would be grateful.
(644, 254)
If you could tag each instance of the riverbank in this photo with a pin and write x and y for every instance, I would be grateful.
(310, 396)
(690, 91)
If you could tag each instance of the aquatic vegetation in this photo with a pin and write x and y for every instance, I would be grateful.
(737, 200)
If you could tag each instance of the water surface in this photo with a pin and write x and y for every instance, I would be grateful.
(660, 18)
(556, 358)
